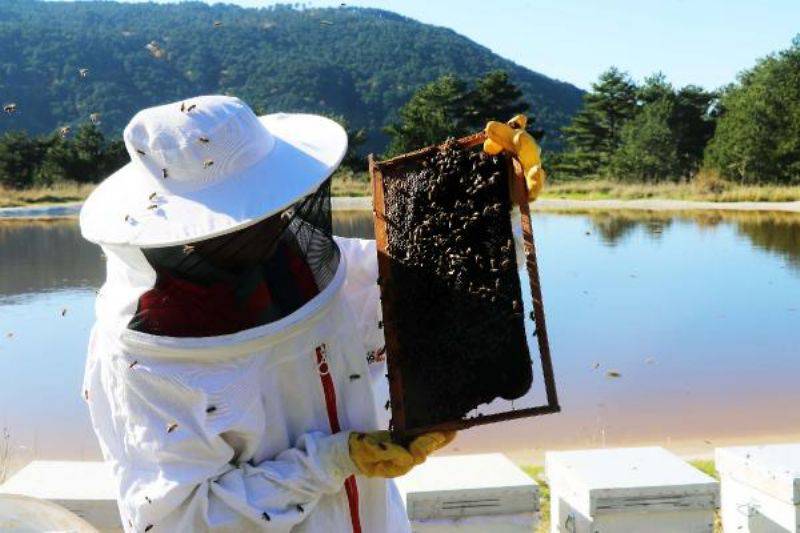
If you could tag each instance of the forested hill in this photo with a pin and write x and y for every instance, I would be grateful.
(362, 64)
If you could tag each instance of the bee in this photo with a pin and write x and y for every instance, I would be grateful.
(217, 23)
(299, 508)
(86, 394)
(152, 206)
(133, 364)
(187, 249)
(172, 426)
(387, 404)
(9, 334)
(354, 377)
(208, 163)
(95, 118)
(10, 108)
(152, 196)
(191, 108)
(140, 152)
(148, 528)
(64, 132)
(210, 409)
(613, 374)
(155, 50)
(164, 173)
(325, 23)
(64, 312)
(183, 107)
(595, 366)
(83, 72)
(128, 218)
(265, 516)
(147, 499)
(203, 140)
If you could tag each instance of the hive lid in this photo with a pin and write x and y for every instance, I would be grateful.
(772, 469)
(629, 479)
(63, 480)
(467, 485)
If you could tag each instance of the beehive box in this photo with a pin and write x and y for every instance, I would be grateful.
(635, 490)
(84, 487)
(470, 493)
(453, 309)
(760, 488)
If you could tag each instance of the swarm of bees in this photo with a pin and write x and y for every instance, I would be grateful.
(10, 108)
(155, 50)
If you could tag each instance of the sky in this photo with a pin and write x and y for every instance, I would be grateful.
(704, 42)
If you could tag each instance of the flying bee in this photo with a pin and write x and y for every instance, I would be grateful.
(133, 364)
(148, 527)
(354, 377)
(325, 23)
(64, 312)
(147, 499)
(152, 196)
(172, 426)
(140, 152)
(187, 249)
(10, 108)
(265, 516)
(203, 140)
(217, 23)
(299, 508)
(208, 163)
(152, 206)
(183, 107)
(95, 118)
(64, 132)
(155, 50)
(210, 409)
(613, 374)
(191, 108)
(164, 173)
(83, 72)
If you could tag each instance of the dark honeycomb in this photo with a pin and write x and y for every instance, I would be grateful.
(455, 290)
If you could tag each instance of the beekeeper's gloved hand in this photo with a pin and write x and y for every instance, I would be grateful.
(512, 138)
(375, 455)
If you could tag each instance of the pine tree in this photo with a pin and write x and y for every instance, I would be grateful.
(494, 97)
(648, 149)
(595, 131)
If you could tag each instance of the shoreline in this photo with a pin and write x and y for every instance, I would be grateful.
(361, 203)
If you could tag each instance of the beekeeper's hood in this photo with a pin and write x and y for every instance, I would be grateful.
(212, 193)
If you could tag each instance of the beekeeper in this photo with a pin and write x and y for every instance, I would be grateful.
(230, 371)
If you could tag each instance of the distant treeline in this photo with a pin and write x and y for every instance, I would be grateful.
(85, 156)
(748, 132)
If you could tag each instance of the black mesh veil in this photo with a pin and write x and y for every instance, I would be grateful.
(244, 279)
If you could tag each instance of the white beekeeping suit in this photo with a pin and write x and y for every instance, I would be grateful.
(245, 430)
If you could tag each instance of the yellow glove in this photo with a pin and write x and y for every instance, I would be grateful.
(424, 445)
(513, 138)
(375, 455)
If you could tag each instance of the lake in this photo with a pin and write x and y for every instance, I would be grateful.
(698, 313)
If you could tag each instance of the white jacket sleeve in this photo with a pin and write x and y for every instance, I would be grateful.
(176, 474)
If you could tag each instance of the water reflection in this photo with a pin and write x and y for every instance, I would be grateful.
(698, 313)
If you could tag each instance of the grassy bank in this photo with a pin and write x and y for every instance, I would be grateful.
(347, 183)
(537, 472)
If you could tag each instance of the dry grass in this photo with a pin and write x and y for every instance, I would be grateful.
(705, 188)
(349, 183)
(57, 194)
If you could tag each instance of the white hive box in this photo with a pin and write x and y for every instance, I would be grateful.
(760, 488)
(470, 493)
(630, 490)
(84, 487)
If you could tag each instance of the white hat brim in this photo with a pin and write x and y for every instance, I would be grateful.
(307, 150)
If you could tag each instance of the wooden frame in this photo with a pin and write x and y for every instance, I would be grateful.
(519, 194)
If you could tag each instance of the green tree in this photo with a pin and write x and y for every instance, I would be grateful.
(436, 111)
(595, 131)
(495, 97)
(648, 151)
(758, 133)
(19, 157)
(59, 162)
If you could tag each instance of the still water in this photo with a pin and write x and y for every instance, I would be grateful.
(699, 314)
